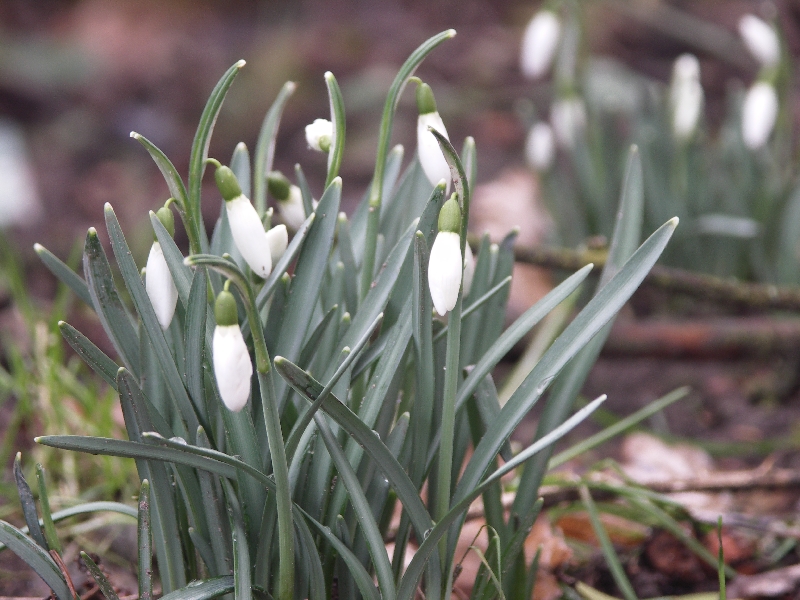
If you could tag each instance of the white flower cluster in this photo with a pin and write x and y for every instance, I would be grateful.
(760, 107)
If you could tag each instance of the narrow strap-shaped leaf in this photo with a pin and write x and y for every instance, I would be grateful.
(310, 388)
(305, 189)
(265, 147)
(408, 583)
(91, 354)
(174, 182)
(240, 165)
(312, 344)
(589, 321)
(241, 553)
(213, 511)
(107, 304)
(199, 153)
(144, 547)
(316, 576)
(345, 246)
(181, 274)
(64, 274)
(28, 504)
(190, 411)
(194, 336)
(479, 303)
(361, 507)
(36, 558)
(102, 582)
(360, 575)
(47, 519)
(203, 590)
(338, 120)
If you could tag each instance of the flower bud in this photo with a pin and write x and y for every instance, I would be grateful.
(568, 118)
(319, 135)
(246, 227)
(759, 111)
(539, 44)
(761, 40)
(232, 367)
(446, 266)
(278, 239)
(469, 269)
(686, 96)
(430, 153)
(540, 147)
(291, 209)
(159, 286)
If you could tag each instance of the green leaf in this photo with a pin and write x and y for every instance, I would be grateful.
(194, 337)
(241, 553)
(181, 274)
(337, 119)
(107, 304)
(64, 274)
(174, 182)
(47, 519)
(240, 165)
(28, 504)
(144, 548)
(36, 558)
(203, 590)
(199, 153)
(189, 410)
(104, 584)
(589, 321)
(91, 354)
(213, 513)
(265, 147)
(305, 190)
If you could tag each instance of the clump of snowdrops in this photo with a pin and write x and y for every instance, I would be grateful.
(287, 389)
(733, 186)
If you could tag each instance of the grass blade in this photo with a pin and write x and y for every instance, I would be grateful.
(47, 519)
(104, 584)
(144, 548)
(337, 118)
(91, 354)
(28, 504)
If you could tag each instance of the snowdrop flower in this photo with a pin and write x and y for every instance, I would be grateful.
(568, 118)
(540, 149)
(446, 266)
(430, 154)
(158, 280)
(246, 227)
(469, 269)
(686, 96)
(539, 44)
(232, 366)
(290, 199)
(761, 40)
(759, 111)
(278, 239)
(319, 135)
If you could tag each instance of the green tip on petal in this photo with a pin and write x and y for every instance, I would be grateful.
(450, 216)
(164, 215)
(227, 183)
(426, 103)
(278, 185)
(225, 309)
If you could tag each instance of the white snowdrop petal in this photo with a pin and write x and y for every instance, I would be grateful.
(686, 96)
(292, 211)
(249, 235)
(278, 239)
(232, 366)
(759, 111)
(761, 40)
(317, 130)
(540, 147)
(430, 154)
(445, 271)
(469, 269)
(568, 118)
(539, 44)
(160, 287)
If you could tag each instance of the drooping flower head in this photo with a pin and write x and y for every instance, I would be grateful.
(319, 135)
(761, 40)
(232, 367)
(289, 198)
(246, 227)
(568, 118)
(759, 112)
(539, 44)
(430, 154)
(446, 266)
(540, 148)
(686, 96)
(158, 280)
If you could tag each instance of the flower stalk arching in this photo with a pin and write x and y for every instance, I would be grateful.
(269, 403)
(376, 187)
